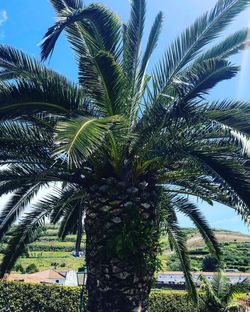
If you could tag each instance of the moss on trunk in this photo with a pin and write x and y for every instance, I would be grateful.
(122, 229)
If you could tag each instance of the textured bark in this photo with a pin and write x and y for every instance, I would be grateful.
(119, 258)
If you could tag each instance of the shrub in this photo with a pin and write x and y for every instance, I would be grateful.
(32, 268)
(19, 268)
(170, 301)
(24, 297)
(210, 264)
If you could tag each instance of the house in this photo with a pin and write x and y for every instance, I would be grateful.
(71, 278)
(44, 277)
(27, 278)
(50, 275)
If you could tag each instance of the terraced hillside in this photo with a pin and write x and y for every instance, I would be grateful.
(234, 245)
(49, 252)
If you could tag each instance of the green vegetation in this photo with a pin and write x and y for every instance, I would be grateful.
(48, 251)
(235, 249)
(236, 255)
(32, 268)
(210, 264)
(221, 296)
(123, 146)
(19, 297)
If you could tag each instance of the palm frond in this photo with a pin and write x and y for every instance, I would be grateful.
(193, 40)
(100, 29)
(238, 288)
(178, 242)
(193, 213)
(210, 291)
(133, 37)
(232, 174)
(70, 220)
(78, 139)
(233, 44)
(233, 117)
(152, 43)
(16, 204)
(201, 78)
(103, 81)
(30, 97)
(22, 234)
(60, 5)
(69, 195)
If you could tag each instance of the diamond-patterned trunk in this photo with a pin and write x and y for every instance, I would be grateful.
(122, 240)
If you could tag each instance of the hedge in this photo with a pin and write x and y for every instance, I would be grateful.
(24, 297)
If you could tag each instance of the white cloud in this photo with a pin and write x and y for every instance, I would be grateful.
(3, 17)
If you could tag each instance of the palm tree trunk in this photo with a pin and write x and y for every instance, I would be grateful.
(122, 242)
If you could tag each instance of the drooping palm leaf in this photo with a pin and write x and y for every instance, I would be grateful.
(61, 5)
(99, 25)
(178, 242)
(22, 234)
(232, 173)
(26, 97)
(16, 205)
(193, 213)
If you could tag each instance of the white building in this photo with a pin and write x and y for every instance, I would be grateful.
(177, 278)
(71, 278)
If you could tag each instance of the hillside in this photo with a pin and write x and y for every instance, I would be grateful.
(235, 247)
(48, 251)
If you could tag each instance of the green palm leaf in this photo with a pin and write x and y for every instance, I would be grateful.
(25, 97)
(20, 199)
(152, 43)
(99, 27)
(61, 5)
(22, 234)
(201, 78)
(231, 172)
(78, 139)
(133, 37)
(233, 116)
(190, 43)
(191, 211)
(103, 80)
(177, 240)
(231, 45)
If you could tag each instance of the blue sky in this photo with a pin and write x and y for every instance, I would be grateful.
(23, 24)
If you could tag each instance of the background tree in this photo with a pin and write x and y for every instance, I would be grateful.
(31, 268)
(20, 268)
(122, 147)
(210, 264)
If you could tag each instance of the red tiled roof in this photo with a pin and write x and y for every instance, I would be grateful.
(25, 278)
(48, 274)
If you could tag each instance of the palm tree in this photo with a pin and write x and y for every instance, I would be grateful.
(221, 296)
(123, 148)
